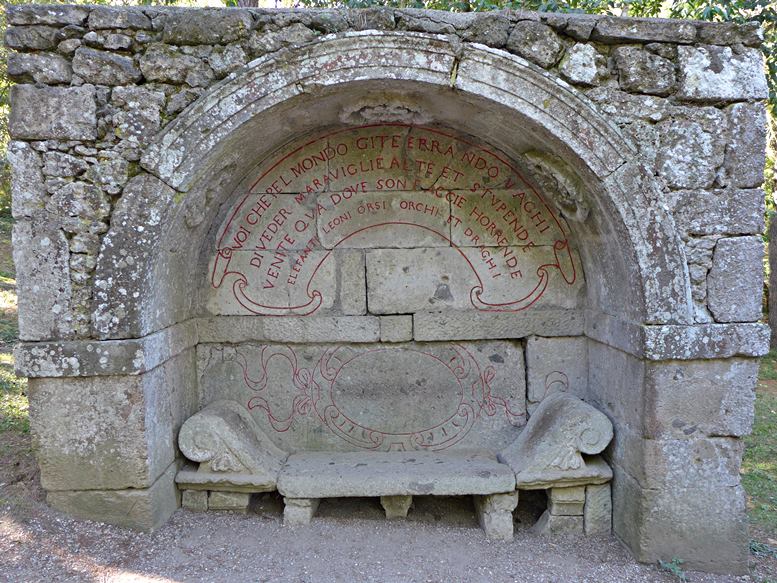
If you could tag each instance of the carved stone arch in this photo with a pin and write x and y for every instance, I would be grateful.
(633, 258)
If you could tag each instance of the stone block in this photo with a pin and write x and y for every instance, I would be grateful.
(383, 220)
(78, 203)
(236, 329)
(552, 524)
(392, 395)
(110, 432)
(582, 64)
(573, 495)
(689, 154)
(261, 43)
(536, 42)
(337, 329)
(488, 28)
(396, 507)
(715, 73)
(495, 514)
(136, 508)
(41, 113)
(299, 511)
(30, 14)
(749, 34)
(41, 254)
(396, 328)
(105, 68)
(234, 501)
(46, 68)
(678, 463)
(705, 525)
(719, 212)
(482, 325)
(705, 341)
(288, 283)
(167, 64)
(207, 27)
(36, 38)
(28, 193)
(393, 473)
(616, 383)
(618, 30)
(746, 147)
(566, 501)
(555, 364)
(597, 514)
(686, 400)
(640, 71)
(351, 280)
(224, 60)
(735, 282)
(109, 17)
(195, 500)
(624, 108)
(103, 358)
(63, 165)
(401, 281)
(139, 118)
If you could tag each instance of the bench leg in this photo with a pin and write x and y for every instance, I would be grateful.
(565, 512)
(396, 506)
(598, 510)
(196, 500)
(299, 510)
(234, 501)
(495, 514)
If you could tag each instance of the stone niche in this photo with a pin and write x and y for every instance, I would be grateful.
(392, 253)
(388, 229)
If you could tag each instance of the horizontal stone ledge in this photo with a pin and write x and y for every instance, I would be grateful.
(705, 341)
(679, 342)
(293, 329)
(468, 325)
(86, 358)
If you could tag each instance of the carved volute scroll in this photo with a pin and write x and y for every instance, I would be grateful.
(224, 439)
(549, 451)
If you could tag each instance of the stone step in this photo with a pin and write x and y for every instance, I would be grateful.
(420, 473)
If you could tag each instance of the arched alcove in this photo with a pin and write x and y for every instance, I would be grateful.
(374, 311)
(631, 255)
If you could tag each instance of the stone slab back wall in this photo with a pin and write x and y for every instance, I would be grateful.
(136, 130)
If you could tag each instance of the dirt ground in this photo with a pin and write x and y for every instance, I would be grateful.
(349, 541)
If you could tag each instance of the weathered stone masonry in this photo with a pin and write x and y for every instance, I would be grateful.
(136, 130)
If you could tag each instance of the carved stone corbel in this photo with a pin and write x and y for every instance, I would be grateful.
(549, 451)
(232, 451)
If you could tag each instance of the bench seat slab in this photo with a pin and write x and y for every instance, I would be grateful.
(420, 473)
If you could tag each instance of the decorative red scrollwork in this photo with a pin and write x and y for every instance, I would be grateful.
(315, 395)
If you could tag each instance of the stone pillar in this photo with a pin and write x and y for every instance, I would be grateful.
(106, 443)
(676, 453)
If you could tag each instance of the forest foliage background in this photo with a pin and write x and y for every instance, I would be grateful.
(762, 11)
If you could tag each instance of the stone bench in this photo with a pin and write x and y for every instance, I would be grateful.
(395, 477)
(556, 451)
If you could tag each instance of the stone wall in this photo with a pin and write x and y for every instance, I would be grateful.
(138, 131)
